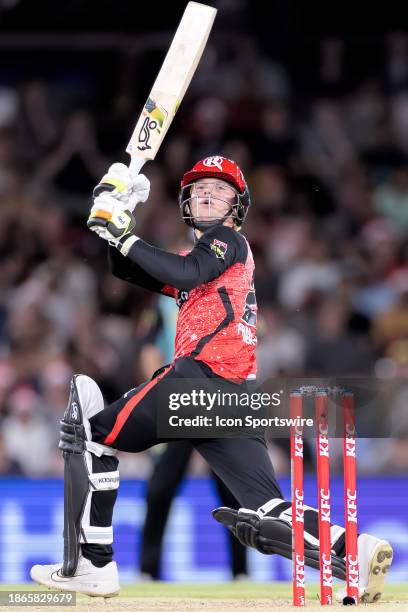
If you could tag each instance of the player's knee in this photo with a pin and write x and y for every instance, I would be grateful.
(84, 403)
(90, 395)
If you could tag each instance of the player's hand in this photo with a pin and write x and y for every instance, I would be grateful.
(109, 221)
(126, 188)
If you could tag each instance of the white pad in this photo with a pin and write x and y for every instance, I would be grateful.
(91, 401)
(270, 505)
(90, 534)
(336, 531)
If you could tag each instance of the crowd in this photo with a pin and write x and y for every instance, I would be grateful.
(327, 167)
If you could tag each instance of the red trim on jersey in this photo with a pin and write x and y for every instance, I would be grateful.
(124, 414)
(169, 291)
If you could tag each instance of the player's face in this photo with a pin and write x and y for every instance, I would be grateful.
(211, 199)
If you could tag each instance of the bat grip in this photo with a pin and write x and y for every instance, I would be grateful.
(136, 164)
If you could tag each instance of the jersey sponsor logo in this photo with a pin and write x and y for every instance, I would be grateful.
(219, 248)
(247, 335)
(250, 310)
(215, 161)
(182, 297)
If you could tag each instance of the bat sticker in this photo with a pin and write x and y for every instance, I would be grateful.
(153, 121)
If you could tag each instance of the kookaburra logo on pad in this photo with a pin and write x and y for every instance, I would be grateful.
(74, 411)
(216, 161)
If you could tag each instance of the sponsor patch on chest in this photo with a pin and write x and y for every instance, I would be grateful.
(182, 296)
(219, 248)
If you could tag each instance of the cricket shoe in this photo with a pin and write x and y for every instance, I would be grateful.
(374, 559)
(88, 579)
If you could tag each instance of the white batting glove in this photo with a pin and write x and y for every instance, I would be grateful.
(127, 189)
(110, 222)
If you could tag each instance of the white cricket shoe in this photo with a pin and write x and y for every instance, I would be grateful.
(88, 579)
(374, 559)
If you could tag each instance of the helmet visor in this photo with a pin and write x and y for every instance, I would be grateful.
(208, 201)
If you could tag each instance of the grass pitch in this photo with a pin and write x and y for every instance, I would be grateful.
(240, 597)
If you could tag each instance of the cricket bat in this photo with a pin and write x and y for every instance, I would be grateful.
(171, 83)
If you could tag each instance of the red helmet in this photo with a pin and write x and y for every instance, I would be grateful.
(222, 168)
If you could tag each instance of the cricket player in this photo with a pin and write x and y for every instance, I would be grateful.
(215, 339)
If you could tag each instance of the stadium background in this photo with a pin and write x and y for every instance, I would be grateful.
(313, 104)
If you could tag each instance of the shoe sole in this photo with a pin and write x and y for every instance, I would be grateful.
(58, 587)
(379, 566)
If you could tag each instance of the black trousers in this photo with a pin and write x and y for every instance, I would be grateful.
(168, 473)
(130, 424)
(243, 464)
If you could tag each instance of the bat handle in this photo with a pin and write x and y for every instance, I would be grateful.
(136, 164)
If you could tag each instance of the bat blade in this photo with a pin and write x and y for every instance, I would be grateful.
(171, 83)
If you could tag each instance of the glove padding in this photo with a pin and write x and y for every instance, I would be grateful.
(245, 525)
(270, 535)
(127, 189)
(109, 221)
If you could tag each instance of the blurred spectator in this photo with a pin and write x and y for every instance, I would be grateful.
(392, 324)
(28, 436)
(396, 63)
(391, 199)
(325, 156)
(314, 272)
(325, 145)
(275, 140)
(76, 163)
(335, 350)
(331, 68)
(280, 349)
(8, 466)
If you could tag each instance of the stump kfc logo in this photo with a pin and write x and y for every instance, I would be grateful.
(350, 430)
(298, 446)
(299, 509)
(323, 440)
(327, 570)
(323, 446)
(300, 571)
(215, 161)
(325, 505)
(350, 447)
(351, 506)
(352, 571)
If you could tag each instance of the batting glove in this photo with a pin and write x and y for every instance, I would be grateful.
(127, 189)
(110, 222)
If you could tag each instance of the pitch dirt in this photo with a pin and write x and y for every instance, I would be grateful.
(158, 604)
(225, 597)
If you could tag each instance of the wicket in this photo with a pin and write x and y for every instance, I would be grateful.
(321, 399)
(298, 537)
